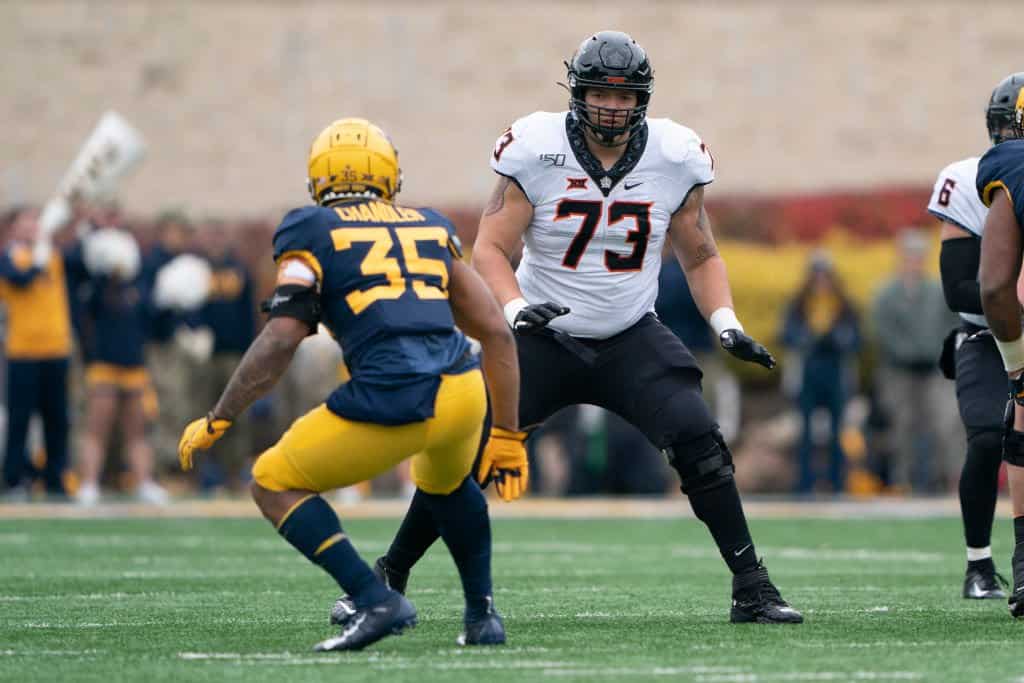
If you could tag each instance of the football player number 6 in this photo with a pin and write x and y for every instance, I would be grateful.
(377, 262)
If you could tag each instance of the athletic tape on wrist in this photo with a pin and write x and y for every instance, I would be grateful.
(1012, 353)
(724, 319)
(512, 308)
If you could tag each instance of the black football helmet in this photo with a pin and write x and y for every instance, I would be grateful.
(1006, 108)
(610, 59)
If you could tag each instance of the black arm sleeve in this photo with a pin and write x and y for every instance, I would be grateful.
(294, 301)
(958, 262)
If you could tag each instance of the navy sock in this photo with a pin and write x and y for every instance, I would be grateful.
(417, 533)
(721, 510)
(1018, 531)
(462, 520)
(314, 530)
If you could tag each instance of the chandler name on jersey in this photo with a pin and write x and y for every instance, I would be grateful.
(382, 272)
(955, 201)
(596, 237)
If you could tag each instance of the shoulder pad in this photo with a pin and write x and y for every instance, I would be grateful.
(437, 218)
(963, 170)
(299, 230)
(516, 149)
(954, 198)
(683, 158)
(680, 144)
(1002, 167)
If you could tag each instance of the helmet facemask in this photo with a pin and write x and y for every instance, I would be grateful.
(614, 61)
(596, 119)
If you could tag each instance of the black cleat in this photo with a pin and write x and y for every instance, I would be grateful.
(344, 608)
(1016, 600)
(756, 600)
(490, 630)
(367, 626)
(984, 584)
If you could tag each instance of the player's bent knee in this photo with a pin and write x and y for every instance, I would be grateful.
(703, 463)
(985, 446)
(437, 486)
(264, 474)
(1013, 448)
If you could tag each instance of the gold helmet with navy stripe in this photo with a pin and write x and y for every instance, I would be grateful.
(353, 158)
(1005, 112)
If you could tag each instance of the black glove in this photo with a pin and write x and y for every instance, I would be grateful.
(745, 348)
(537, 316)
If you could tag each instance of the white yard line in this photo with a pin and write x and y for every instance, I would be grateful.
(577, 508)
(49, 653)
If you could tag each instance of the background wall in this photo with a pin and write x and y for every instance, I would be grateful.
(793, 96)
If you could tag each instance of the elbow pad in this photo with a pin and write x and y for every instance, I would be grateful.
(294, 301)
(958, 262)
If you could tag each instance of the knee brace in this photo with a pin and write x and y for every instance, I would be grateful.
(1013, 447)
(703, 463)
(1013, 441)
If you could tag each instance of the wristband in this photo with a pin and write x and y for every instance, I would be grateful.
(724, 319)
(1012, 353)
(502, 433)
(512, 309)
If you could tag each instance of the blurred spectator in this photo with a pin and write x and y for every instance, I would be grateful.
(910, 319)
(677, 309)
(166, 359)
(230, 315)
(34, 291)
(822, 332)
(116, 321)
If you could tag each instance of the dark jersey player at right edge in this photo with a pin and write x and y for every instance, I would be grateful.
(1001, 187)
(593, 193)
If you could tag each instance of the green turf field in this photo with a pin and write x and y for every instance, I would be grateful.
(217, 600)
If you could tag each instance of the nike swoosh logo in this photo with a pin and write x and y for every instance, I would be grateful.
(741, 550)
(627, 186)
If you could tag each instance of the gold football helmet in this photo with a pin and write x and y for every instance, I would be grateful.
(353, 157)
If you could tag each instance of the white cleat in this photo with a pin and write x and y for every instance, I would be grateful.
(88, 495)
(151, 492)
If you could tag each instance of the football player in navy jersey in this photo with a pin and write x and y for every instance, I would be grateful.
(1000, 185)
(388, 283)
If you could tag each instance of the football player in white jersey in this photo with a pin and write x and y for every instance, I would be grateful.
(970, 355)
(593, 193)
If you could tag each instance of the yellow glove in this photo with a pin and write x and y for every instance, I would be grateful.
(504, 461)
(198, 436)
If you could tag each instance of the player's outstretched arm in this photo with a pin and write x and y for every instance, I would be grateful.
(694, 246)
(505, 220)
(507, 215)
(1000, 267)
(477, 314)
(261, 366)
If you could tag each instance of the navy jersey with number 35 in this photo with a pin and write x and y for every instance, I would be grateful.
(1003, 167)
(383, 272)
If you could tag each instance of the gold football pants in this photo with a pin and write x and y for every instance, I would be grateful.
(323, 451)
